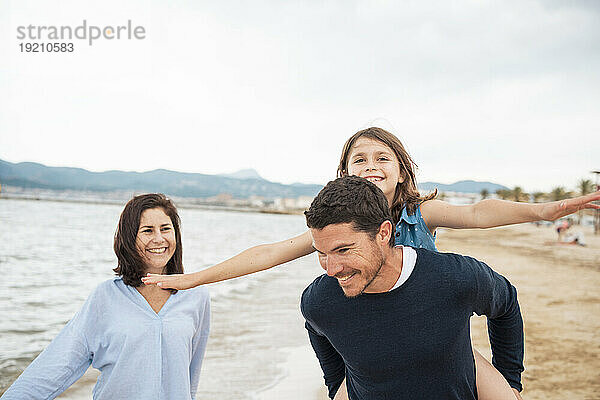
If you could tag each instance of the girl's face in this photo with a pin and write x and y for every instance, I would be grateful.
(376, 162)
(155, 239)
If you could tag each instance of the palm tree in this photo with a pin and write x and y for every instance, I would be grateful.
(585, 186)
(484, 193)
(504, 194)
(558, 193)
(518, 194)
(537, 196)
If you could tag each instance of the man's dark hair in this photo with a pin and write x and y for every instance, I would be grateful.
(350, 199)
(131, 266)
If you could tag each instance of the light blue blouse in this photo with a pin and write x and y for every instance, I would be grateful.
(411, 230)
(140, 354)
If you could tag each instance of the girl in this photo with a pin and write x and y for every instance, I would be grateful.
(380, 157)
(148, 343)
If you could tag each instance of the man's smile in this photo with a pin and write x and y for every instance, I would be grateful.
(344, 279)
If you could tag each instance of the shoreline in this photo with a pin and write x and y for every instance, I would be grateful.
(300, 378)
(180, 202)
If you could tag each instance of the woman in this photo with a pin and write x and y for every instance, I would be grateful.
(147, 342)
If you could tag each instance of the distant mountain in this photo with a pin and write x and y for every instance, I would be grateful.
(241, 184)
(461, 187)
(33, 175)
(244, 174)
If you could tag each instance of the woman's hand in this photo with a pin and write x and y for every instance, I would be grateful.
(558, 209)
(175, 281)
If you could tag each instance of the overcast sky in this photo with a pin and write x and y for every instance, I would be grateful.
(502, 91)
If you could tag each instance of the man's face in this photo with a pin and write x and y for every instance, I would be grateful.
(354, 258)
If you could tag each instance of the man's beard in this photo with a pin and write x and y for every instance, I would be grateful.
(372, 276)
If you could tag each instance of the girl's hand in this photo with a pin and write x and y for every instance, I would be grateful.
(558, 209)
(175, 281)
(517, 394)
(342, 393)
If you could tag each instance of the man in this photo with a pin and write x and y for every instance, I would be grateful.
(393, 322)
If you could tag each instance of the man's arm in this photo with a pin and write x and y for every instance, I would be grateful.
(332, 364)
(496, 298)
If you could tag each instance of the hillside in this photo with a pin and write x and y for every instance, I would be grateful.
(241, 184)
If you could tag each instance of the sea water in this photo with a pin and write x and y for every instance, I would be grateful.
(53, 254)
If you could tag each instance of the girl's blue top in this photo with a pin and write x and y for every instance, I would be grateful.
(412, 231)
(141, 354)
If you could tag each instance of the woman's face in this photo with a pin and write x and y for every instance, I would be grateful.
(376, 162)
(155, 239)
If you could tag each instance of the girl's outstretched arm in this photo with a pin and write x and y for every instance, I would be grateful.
(254, 259)
(491, 212)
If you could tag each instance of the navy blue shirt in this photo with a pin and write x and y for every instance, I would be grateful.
(414, 341)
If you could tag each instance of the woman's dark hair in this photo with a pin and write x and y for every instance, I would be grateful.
(406, 195)
(130, 263)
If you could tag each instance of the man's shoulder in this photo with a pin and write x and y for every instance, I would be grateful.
(426, 255)
(322, 284)
(449, 267)
(434, 258)
(320, 290)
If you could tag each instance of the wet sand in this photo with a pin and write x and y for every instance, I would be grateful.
(302, 378)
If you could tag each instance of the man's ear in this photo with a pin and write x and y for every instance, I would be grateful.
(385, 231)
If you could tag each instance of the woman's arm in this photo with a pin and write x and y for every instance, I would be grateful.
(62, 363)
(491, 212)
(199, 344)
(254, 259)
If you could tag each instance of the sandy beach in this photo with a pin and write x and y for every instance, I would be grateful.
(560, 300)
